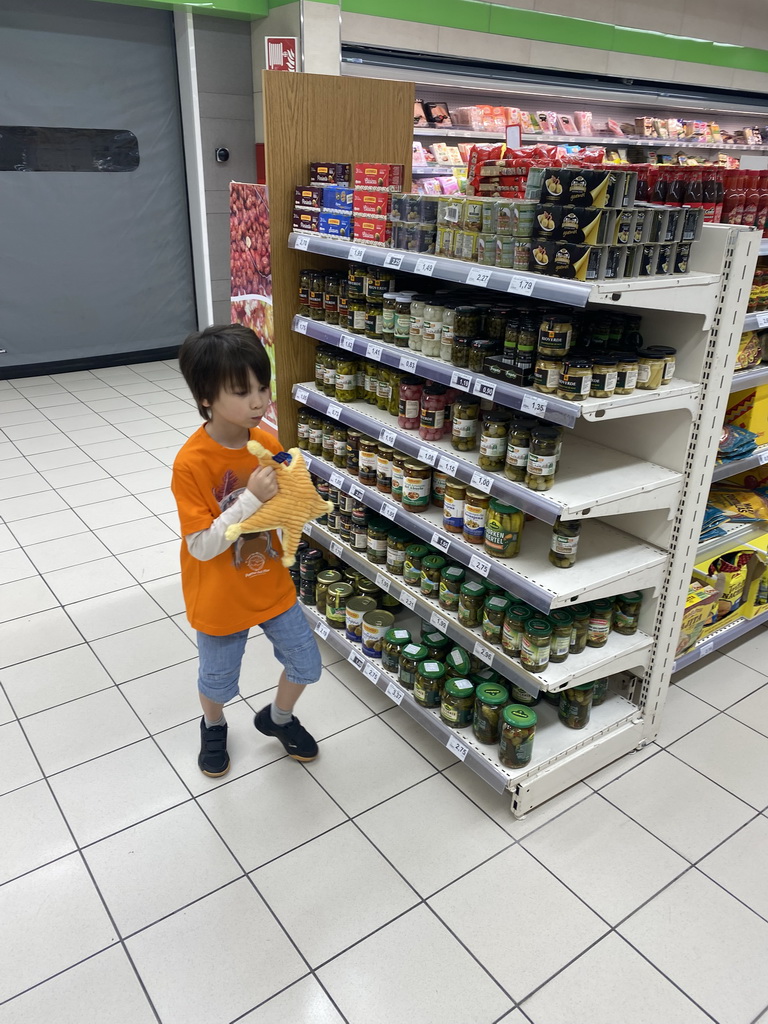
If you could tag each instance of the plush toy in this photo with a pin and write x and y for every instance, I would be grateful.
(295, 503)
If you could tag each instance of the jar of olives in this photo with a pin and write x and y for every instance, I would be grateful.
(471, 597)
(383, 388)
(466, 416)
(356, 310)
(517, 732)
(512, 630)
(388, 316)
(575, 380)
(305, 277)
(394, 641)
(479, 350)
(431, 570)
(503, 529)
(368, 457)
(337, 595)
(457, 704)
(575, 705)
(565, 542)
(429, 683)
(494, 612)
(460, 350)
(535, 645)
(409, 416)
(518, 446)
(453, 506)
(490, 699)
(451, 580)
(384, 469)
(324, 580)
(397, 541)
(331, 298)
(398, 470)
(417, 485)
(414, 554)
(475, 512)
(375, 626)
(626, 613)
(604, 376)
(353, 450)
(371, 383)
(579, 629)
(599, 691)
(600, 620)
(562, 627)
(439, 480)
(316, 288)
(377, 541)
(542, 458)
(402, 320)
(493, 442)
(411, 656)
(374, 317)
(467, 321)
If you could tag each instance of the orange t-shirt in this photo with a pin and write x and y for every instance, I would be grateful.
(246, 584)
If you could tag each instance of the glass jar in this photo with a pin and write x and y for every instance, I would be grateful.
(604, 376)
(429, 683)
(668, 355)
(383, 389)
(535, 645)
(546, 375)
(374, 318)
(554, 336)
(480, 349)
(542, 458)
(368, 451)
(384, 469)
(518, 446)
(493, 442)
(316, 289)
(650, 369)
(575, 705)
(394, 642)
(579, 629)
(377, 541)
(466, 417)
(417, 323)
(357, 607)
(451, 581)
(336, 599)
(414, 554)
(514, 624)
(575, 380)
(447, 331)
(517, 695)
(431, 330)
(417, 485)
(565, 542)
(475, 512)
(457, 663)
(457, 704)
(323, 581)
(340, 446)
(329, 373)
(302, 427)
(600, 621)
(562, 620)
(432, 418)
(453, 506)
(411, 656)
(320, 354)
(316, 435)
(626, 373)
(329, 447)
(388, 306)
(371, 383)
(343, 304)
(485, 675)
(397, 542)
(409, 417)
(438, 644)
(626, 613)
(490, 699)
(503, 529)
(494, 612)
(305, 278)
(439, 480)
(402, 320)
(518, 729)
(353, 449)
(431, 569)
(599, 691)
(460, 350)
(398, 469)
(356, 310)
(395, 379)
(471, 597)
(467, 321)
(331, 298)
(356, 278)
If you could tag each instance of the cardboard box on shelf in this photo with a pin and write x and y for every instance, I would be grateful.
(749, 408)
(375, 230)
(738, 590)
(335, 223)
(388, 177)
(699, 605)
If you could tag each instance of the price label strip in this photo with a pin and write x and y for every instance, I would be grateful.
(301, 326)
(322, 629)
(357, 492)
(426, 267)
(336, 548)
(483, 653)
(482, 482)
(337, 480)
(446, 465)
(301, 395)
(373, 352)
(439, 622)
(393, 260)
(706, 649)
(484, 388)
(347, 342)
(388, 437)
(408, 364)
(395, 693)
(521, 286)
(536, 406)
(302, 242)
(428, 455)
(382, 582)
(333, 410)
(458, 748)
(407, 600)
(388, 509)
(461, 380)
(355, 658)
(481, 565)
(372, 673)
(356, 252)
(440, 541)
(478, 276)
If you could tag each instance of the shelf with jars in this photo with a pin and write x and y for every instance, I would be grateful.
(608, 141)
(591, 480)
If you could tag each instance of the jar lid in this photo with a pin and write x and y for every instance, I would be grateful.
(459, 687)
(416, 551)
(397, 636)
(433, 562)
(520, 611)
(391, 295)
(361, 604)
(412, 465)
(340, 589)
(466, 310)
(384, 449)
(650, 353)
(602, 603)
(581, 611)
(416, 652)
(562, 617)
(499, 506)
(431, 670)
(519, 717)
(476, 495)
(453, 572)
(545, 432)
(329, 576)
(492, 693)
(496, 603)
(663, 350)
(626, 357)
(579, 363)
(378, 619)
(485, 675)
(631, 597)
(583, 686)
(540, 627)
(605, 361)
(459, 659)
(411, 381)
(472, 589)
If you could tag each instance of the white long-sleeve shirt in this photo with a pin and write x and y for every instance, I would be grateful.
(207, 544)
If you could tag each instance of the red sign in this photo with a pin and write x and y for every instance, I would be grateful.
(281, 53)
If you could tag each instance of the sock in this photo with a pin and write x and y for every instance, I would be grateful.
(278, 716)
(211, 725)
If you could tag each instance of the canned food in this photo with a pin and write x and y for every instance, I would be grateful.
(356, 608)
(375, 626)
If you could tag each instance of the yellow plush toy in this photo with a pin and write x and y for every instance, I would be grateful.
(294, 505)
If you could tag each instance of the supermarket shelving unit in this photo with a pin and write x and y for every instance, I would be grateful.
(644, 515)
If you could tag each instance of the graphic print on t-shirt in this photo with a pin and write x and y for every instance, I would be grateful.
(250, 550)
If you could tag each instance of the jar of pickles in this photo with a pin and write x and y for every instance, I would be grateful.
(388, 316)
(575, 380)
(650, 369)
(432, 418)
(493, 442)
(395, 640)
(377, 541)
(305, 277)
(409, 416)
(466, 417)
(368, 457)
(604, 376)
(324, 580)
(518, 729)
(414, 554)
(626, 372)
(384, 469)
(668, 354)
(371, 383)
(575, 705)
(546, 375)
(514, 624)
(503, 529)
(356, 311)
(457, 704)
(579, 629)
(457, 663)
(490, 699)
(397, 541)
(302, 427)
(411, 656)
(471, 597)
(554, 337)
(340, 446)
(626, 613)
(402, 330)
(316, 289)
(535, 645)
(453, 506)
(542, 458)
(438, 644)
(600, 621)
(337, 596)
(599, 691)
(431, 570)
(329, 447)
(494, 612)
(451, 580)
(383, 388)
(429, 683)
(417, 485)
(331, 298)
(565, 543)
(475, 512)
(518, 447)
(439, 480)
(562, 620)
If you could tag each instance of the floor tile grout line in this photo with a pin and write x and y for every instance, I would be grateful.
(714, 781)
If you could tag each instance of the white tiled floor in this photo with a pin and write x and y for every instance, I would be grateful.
(382, 883)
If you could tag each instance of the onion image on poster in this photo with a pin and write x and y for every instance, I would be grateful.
(251, 271)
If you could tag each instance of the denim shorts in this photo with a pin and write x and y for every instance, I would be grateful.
(293, 642)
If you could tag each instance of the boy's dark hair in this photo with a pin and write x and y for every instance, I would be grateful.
(220, 357)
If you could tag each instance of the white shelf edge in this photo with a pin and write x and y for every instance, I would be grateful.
(718, 639)
(757, 320)
(743, 379)
(459, 132)
(723, 470)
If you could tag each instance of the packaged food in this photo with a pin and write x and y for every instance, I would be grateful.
(579, 629)
(451, 581)
(375, 626)
(471, 598)
(395, 640)
(575, 705)
(490, 699)
(453, 506)
(329, 173)
(306, 220)
(417, 485)
(356, 608)
(308, 196)
(431, 569)
(600, 622)
(475, 511)
(370, 202)
(411, 656)
(562, 620)
(517, 733)
(503, 529)
(457, 704)
(374, 230)
(495, 609)
(535, 644)
(565, 543)
(429, 683)
(388, 177)
(626, 613)
(337, 595)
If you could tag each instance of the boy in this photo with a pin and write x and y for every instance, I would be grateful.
(230, 587)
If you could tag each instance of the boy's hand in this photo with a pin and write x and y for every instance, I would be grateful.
(262, 483)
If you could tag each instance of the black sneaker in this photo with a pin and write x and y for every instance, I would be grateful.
(213, 759)
(297, 742)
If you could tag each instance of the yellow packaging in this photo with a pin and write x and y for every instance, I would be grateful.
(737, 590)
(699, 605)
(750, 409)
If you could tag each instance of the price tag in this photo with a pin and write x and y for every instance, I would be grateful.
(373, 352)
(302, 242)
(301, 326)
(439, 622)
(428, 455)
(762, 320)
(372, 673)
(763, 457)
(333, 410)
(706, 649)
(458, 748)
(322, 629)
(478, 276)
(481, 565)
(521, 286)
(347, 342)
(388, 509)
(484, 388)
(408, 364)
(337, 480)
(356, 252)
(393, 260)
(382, 582)
(336, 548)
(357, 492)
(440, 541)
(483, 653)
(355, 658)
(536, 406)
(407, 600)
(482, 482)
(446, 465)
(301, 395)
(425, 267)
(388, 437)
(395, 693)
(461, 380)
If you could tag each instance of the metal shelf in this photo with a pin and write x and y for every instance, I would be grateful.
(443, 170)
(736, 534)
(678, 394)
(553, 741)
(719, 638)
(764, 246)
(687, 293)
(592, 481)
(757, 321)
(743, 379)
(592, 140)
(723, 470)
